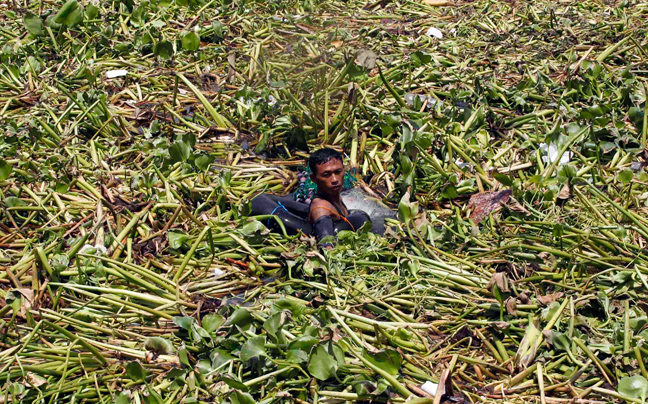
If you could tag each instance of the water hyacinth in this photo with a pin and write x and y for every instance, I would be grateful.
(500, 144)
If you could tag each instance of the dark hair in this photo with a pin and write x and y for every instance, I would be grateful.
(322, 156)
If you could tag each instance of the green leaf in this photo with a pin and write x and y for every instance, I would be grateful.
(204, 366)
(296, 356)
(13, 300)
(92, 11)
(16, 389)
(70, 14)
(625, 176)
(184, 357)
(559, 341)
(253, 228)
(12, 201)
(419, 58)
(240, 317)
(136, 372)
(218, 29)
(636, 116)
(238, 397)
(234, 382)
(324, 361)
(158, 345)
(203, 162)
(186, 323)
(34, 24)
(179, 151)
(211, 322)
(449, 192)
(190, 41)
(253, 348)
(634, 387)
(163, 49)
(220, 356)
(406, 209)
(5, 170)
(177, 240)
(549, 311)
(504, 179)
(263, 143)
(153, 397)
(305, 343)
(121, 398)
(297, 309)
(388, 360)
(274, 322)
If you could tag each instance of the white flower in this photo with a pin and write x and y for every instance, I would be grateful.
(434, 32)
(111, 74)
(217, 272)
(552, 154)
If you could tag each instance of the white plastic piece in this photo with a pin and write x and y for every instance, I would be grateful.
(218, 272)
(97, 248)
(111, 74)
(434, 32)
(430, 388)
(552, 154)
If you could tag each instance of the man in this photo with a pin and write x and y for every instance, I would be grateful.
(328, 214)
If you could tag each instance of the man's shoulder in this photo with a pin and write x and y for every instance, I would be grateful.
(320, 203)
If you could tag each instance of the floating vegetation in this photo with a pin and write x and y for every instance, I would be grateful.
(509, 136)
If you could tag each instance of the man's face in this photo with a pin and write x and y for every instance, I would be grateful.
(329, 177)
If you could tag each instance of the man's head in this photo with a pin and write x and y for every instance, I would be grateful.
(327, 171)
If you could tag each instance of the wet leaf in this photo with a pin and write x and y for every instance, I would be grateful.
(240, 317)
(324, 361)
(634, 387)
(253, 348)
(70, 14)
(159, 345)
(239, 397)
(164, 49)
(367, 59)
(550, 298)
(34, 24)
(483, 204)
(406, 209)
(5, 170)
(135, 371)
(122, 398)
(190, 41)
(211, 322)
(177, 240)
(186, 323)
(387, 360)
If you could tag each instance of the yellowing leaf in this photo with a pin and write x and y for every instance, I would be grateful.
(436, 2)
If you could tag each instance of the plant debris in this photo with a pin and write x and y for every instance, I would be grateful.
(510, 137)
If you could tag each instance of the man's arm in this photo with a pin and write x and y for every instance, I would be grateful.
(320, 218)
